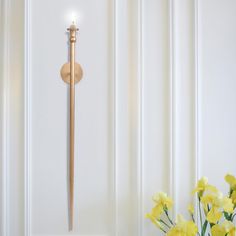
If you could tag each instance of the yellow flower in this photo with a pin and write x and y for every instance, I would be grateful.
(202, 186)
(214, 215)
(191, 209)
(218, 230)
(157, 211)
(183, 228)
(229, 228)
(154, 220)
(216, 202)
(231, 180)
(163, 202)
(226, 228)
(161, 199)
(233, 197)
(227, 205)
(213, 201)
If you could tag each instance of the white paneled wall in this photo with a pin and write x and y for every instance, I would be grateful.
(156, 110)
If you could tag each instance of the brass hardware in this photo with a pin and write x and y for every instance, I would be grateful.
(71, 73)
(65, 73)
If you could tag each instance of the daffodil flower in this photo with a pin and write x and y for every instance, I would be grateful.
(226, 228)
(183, 228)
(157, 211)
(227, 205)
(218, 230)
(231, 180)
(233, 197)
(162, 204)
(217, 203)
(161, 199)
(202, 186)
(191, 209)
(153, 219)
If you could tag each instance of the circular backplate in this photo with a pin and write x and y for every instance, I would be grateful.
(65, 73)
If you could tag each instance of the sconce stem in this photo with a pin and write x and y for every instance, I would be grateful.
(72, 73)
(72, 120)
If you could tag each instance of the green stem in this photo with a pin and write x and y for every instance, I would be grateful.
(200, 212)
(166, 212)
(204, 228)
(192, 218)
(233, 217)
(163, 230)
(208, 207)
(162, 221)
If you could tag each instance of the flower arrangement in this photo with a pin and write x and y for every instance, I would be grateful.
(215, 212)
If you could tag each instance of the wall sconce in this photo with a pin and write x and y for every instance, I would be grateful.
(71, 73)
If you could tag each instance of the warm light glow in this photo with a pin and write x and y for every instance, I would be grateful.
(73, 16)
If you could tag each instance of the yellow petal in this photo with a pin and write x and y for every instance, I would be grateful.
(227, 226)
(214, 215)
(218, 230)
(191, 209)
(231, 180)
(157, 211)
(228, 205)
(183, 228)
(154, 220)
(163, 200)
(233, 197)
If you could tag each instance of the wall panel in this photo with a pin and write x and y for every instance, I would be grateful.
(183, 102)
(49, 114)
(217, 110)
(127, 181)
(156, 104)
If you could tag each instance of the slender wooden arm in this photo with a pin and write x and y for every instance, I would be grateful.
(72, 73)
(72, 121)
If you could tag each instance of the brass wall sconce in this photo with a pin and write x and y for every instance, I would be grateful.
(71, 73)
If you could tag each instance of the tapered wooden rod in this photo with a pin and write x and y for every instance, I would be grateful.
(72, 73)
(72, 120)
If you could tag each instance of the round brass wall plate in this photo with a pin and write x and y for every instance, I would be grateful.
(65, 73)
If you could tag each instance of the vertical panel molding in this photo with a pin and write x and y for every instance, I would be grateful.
(27, 118)
(114, 46)
(172, 184)
(5, 16)
(184, 102)
(140, 119)
(196, 85)
(11, 115)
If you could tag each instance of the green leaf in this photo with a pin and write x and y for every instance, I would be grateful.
(204, 227)
(227, 216)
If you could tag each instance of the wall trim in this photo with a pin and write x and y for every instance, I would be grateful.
(140, 119)
(196, 61)
(27, 106)
(5, 163)
(115, 13)
(172, 174)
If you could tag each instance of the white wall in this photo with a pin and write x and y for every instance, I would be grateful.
(154, 111)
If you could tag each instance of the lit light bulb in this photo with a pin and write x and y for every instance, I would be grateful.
(73, 17)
